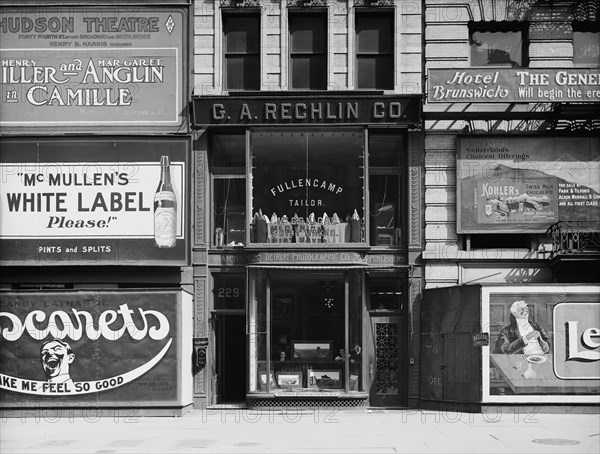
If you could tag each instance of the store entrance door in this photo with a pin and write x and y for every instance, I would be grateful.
(387, 362)
(230, 370)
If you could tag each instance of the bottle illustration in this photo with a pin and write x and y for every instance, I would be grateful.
(165, 208)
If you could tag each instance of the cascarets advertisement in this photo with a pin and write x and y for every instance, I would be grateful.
(93, 201)
(525, 184)
(90, 346)
(92, 67)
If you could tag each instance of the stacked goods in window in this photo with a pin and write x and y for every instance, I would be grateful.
(299, 227)
(285, 229)
(259, 228)
(335, 223)
(355, 228)
(314, 229)
(273, 230)
(328, 230)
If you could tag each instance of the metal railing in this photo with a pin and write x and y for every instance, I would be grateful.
(574, 237)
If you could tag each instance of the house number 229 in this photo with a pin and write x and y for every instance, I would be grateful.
(228, 292)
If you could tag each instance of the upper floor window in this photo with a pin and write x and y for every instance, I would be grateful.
(308, 50)
(374, 45)
(586, 43)
(242, 56)
(497, 45)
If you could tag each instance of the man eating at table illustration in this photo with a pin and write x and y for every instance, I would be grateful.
(522, 335)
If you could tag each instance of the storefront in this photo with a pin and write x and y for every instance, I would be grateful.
(474, 352)
(308, 263)
(512, 194)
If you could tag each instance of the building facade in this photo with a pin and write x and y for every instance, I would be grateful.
(307, 158)
(511, 200)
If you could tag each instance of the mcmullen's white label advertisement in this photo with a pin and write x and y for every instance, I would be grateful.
(90, 200)
(89, 346)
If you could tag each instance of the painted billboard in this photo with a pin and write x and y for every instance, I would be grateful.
(94, 201)
(544, 343)
(509, 184)
(101, 347)
(513, 85)
(82, 68)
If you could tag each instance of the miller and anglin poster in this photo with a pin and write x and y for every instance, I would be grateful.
(93, 67)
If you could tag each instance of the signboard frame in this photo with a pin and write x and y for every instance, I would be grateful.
(544, 179)
(562, 294)
(87, 172)
(110, 68)
(113, 365)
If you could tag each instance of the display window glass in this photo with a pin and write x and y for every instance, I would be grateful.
(307, 186)
(386, 188)
(314, 345)
(227, 162)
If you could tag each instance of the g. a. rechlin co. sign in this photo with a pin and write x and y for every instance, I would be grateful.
(306, 110)
(93, 201)
(92, 67)
(78, 347)
(513, 85)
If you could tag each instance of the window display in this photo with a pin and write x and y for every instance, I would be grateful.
(307, 187)
(306, 333)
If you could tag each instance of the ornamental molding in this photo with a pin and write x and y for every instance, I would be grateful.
(306, 3)
(239, 3)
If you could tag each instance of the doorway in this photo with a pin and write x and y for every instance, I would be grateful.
(387, 363)
(230, 370)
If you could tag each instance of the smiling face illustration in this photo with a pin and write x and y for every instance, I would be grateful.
(56, 356)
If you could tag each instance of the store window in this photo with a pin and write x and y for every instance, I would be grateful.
(227, 163)
(308, 50)
(385, 292)
(242, 51)
(374, 45)
(586, 43)
(387, 180)
(307, 186)
(311, 323)
(497, 45)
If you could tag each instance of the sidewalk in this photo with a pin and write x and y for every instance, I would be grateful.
(304, 431)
